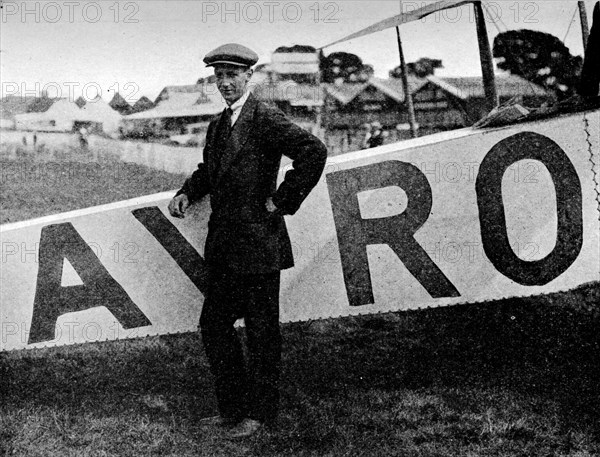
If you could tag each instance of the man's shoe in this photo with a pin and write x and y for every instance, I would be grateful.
(218, 421)
(246, 428)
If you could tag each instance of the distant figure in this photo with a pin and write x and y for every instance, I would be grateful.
(24, 140)
(377, 135)
(365, 135)
(83, 138)
(34, 141)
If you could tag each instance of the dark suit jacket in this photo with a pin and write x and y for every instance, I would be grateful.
(240, 173)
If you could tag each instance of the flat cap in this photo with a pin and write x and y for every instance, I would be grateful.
(232, 54)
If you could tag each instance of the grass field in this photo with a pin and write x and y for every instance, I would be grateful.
(515, 377)
(53, 181)
(507, 378)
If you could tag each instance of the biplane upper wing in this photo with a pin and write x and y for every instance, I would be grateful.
(403, 18)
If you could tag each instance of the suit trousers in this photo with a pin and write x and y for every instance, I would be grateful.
(243, 389)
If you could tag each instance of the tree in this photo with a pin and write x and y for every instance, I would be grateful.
(421, 68)
(211, 79)
(540, 58)
(345, 67)
(300, 78)
(367, 72)
(41, 104)
(297, 48)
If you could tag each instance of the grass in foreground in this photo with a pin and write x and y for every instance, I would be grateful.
(53, 182)
(508, 378)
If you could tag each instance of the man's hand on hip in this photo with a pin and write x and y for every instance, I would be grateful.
(178, 205)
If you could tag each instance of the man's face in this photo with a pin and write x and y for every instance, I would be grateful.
(232, 81)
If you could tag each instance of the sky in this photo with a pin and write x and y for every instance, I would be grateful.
(72, 48)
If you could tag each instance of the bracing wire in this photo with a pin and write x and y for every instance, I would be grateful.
(570, 24)
(499, 17)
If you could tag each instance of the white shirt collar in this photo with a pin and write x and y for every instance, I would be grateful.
(236, 108)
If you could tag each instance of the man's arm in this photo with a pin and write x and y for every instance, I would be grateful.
(308, 156)
(194, 188)
(197, 185)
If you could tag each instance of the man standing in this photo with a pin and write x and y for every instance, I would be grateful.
(365, 135)
(377, 135)
(247, 243)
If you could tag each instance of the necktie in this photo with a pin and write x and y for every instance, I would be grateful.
(226, 120)
(224, 130)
